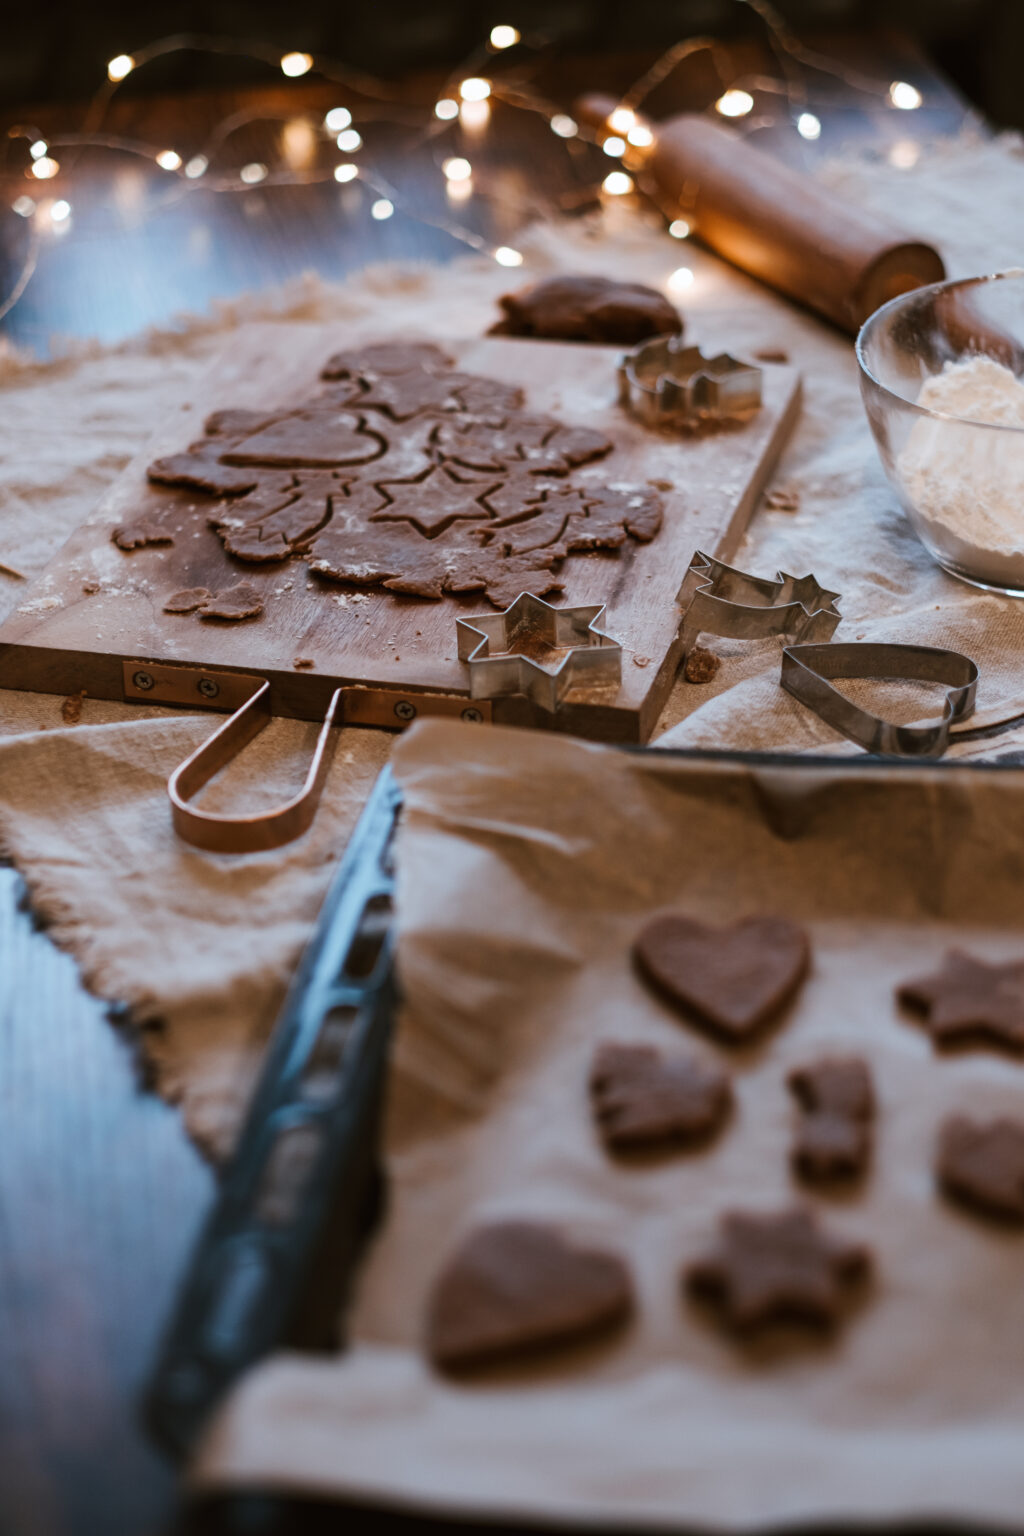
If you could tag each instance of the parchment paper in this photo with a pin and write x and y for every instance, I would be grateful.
(524, 874)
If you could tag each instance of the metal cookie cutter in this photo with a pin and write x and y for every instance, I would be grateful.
(807, 671)
(665, 383)
(721, 600)
(506, 652)
(257, 832)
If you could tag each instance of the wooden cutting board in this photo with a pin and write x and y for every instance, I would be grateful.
(94, 619)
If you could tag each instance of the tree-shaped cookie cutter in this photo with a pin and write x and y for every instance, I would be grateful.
(666, 384)
(718, 599)
(505, 652)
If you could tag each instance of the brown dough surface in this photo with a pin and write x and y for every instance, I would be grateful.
(513, 1286)
(983, 1165)
(406, 474)
(586, 308)
(642, 1097)
(777, 1267)
(146, 529)
(970, 1001)
(701, 665)
(838, 1105)
(242, 601)
(733, 980)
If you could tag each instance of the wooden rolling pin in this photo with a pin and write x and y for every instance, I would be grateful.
(774, 221)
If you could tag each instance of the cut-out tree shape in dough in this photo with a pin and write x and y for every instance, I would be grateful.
(406, 474)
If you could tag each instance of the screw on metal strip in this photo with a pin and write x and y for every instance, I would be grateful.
(809, 670)
(717, 599)
(665, 383)
(505, 651)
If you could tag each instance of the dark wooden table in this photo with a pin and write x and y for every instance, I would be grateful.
(100, 1192)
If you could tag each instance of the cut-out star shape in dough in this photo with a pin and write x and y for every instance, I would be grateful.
(777, 1267)
(432, 502)
(970, 1001)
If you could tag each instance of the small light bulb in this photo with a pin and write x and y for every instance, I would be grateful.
(295, 64)
(904, 154)
(641, 136)
(475, 89)
(735, 103)
(679, 280)
(169, 160)
(504, 37)
(45, 168)
(252, 173)
(808, 126)
(507, 256)
(196, 167)
(60, 210)
(346, 171)
(337, 119)
(349, 140)
(457, 169)
(120, 66)
(446, 109)
(622, 120)
(679, 229)
(614, 146)
(617, 183)
(38, 149)
(383, 208)
(905, 96)
(565, 126)
(24, 207)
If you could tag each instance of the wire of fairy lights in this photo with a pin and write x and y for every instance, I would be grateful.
(466, 97)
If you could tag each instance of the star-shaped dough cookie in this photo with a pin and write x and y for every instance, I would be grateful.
(970, 1001)
(775, 1268)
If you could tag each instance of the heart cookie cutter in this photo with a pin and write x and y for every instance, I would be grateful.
(666, 384)
(505, 651)
(718, 599)
(808, 672)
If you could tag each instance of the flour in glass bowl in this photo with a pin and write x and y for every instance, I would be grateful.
(967, 486)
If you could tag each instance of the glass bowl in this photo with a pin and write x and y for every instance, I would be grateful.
(960, 481)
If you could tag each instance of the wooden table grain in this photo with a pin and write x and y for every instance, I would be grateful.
(100, 1192)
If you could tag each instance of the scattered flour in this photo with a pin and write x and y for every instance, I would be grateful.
(967, 486)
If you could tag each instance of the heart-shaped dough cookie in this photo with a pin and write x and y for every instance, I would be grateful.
(513, 1285)
(731, 979)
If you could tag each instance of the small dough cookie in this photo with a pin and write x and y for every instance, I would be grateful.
(242, 601)
(732, 980)
(778, 1267)
(586, 308)
(145, 529)
(970, 1001)
(983, 1165)
(834, 1135)
(513, 1286)
(642, 1097)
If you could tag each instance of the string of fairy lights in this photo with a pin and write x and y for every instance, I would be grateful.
(465, 101)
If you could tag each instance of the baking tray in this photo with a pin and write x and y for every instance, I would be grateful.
(352, 949)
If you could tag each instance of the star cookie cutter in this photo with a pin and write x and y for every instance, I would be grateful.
(504, 651)
(720, 600)
(664, 383)
(808, 672)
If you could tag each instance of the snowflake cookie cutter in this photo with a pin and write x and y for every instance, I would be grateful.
(666, 384)
(504, 651)
(718, 599)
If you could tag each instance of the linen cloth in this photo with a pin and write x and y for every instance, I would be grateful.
(201, 947)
